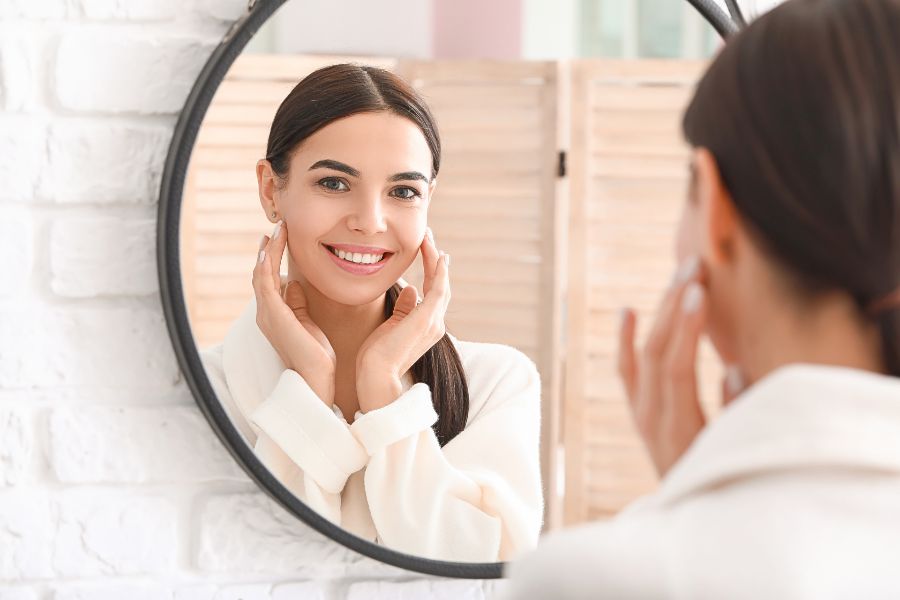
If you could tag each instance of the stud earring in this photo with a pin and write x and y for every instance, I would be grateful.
(274, 214)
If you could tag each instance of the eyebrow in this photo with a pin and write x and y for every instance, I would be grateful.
(336, 165)
(408, 176)
(345, 168)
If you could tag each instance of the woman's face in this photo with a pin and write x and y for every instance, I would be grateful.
(356, 203)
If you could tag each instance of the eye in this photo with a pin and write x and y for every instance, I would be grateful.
(405, 193)
(333, 184)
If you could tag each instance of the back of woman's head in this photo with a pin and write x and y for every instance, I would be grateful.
(801, 111)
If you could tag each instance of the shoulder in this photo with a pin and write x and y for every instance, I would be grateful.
(497, 374)
(611, 557)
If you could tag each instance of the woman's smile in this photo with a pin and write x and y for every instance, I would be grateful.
(358, 260)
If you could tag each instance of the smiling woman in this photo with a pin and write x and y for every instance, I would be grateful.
(342, 379)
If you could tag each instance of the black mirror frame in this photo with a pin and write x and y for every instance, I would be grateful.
(172, 295)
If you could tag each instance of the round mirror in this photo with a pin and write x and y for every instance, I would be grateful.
(434, 417)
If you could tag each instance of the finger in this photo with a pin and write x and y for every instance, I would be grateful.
(428, 317)
(647, 406)
(430, 257)
(682, 399)
(627, 362)
(438, 297)
(665, 316)
(295, 298)
(406, 301)
(259, 269)
(276, 250)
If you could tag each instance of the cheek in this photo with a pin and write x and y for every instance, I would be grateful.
(410, 230)
(307, 222)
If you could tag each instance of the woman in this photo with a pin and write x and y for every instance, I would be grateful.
(790, 245)
(343, 380)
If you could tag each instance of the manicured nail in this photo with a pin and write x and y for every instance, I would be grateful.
(262, 242)
(262, 256)
(277, 230)
(687, 270)
(693, 295)
(623, 315)
(447, 258)
(734, 381)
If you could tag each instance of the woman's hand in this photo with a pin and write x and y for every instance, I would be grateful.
(412, 330)
(661, 382)
(286, 323)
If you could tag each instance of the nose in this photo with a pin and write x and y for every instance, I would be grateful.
(367, 216)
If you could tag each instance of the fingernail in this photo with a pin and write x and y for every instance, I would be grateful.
(693, 295)
(262, 256)
(687, 270)
(734, 381)
(447, 257)
(623, 315)
(262, 242)
(277, 230)
(429, 233)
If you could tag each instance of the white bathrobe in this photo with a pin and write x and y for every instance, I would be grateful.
(792, 492)
(384, 477)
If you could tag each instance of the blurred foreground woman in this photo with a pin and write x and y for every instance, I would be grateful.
(789, 245)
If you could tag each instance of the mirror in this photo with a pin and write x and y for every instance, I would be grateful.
(560, 179)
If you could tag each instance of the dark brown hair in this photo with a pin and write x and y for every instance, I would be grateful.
(802, 112)
(338, 91)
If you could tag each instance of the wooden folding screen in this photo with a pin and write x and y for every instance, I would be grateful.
(629, 169)
(495, 211)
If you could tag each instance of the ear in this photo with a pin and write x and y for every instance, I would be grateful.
(266, 179)
(720, 223)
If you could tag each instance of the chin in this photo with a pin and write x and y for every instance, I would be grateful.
(358, 294)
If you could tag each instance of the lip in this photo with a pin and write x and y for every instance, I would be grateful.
(354, 268)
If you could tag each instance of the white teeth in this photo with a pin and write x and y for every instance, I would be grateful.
(356, 257)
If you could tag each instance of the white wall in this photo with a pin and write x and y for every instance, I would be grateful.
(401, 28)
(112, 485)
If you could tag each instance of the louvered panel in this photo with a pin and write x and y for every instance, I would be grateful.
(629, 172)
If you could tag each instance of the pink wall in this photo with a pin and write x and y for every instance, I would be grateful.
(478, 29)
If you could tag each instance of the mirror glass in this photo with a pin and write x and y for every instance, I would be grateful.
(561, 177)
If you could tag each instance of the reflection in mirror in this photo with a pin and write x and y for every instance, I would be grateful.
(553, 184)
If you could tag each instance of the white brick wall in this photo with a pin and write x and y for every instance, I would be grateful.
(112, 485)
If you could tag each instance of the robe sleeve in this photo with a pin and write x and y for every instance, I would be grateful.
(305, 444)
(479, 497)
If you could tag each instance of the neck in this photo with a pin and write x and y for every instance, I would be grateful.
(346, 328)
(830, 331)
